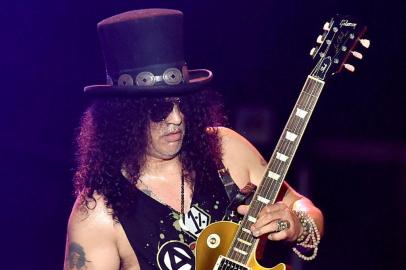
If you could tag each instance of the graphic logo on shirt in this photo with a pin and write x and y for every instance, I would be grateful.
(175, 255)
(195, 221)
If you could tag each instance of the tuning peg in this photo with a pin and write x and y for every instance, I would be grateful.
(326, 26)
(320, 39)
(313, 51)
(357, 54)
(365, 42)
(349, 67)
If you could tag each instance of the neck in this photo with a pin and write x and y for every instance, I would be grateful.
(155, 167)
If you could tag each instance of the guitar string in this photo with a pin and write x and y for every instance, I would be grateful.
(307, 102)
(305, 99)
(273, 183)
(300, 124)
(313, 96)
(295, 123)
(297, 126)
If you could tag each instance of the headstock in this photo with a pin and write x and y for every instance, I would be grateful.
(336, 44)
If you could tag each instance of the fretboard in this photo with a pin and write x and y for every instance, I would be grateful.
(244, 243)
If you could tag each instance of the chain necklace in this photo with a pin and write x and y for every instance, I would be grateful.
(150, 193)
(182, 198)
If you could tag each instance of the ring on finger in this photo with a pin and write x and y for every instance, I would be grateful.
(282, 225)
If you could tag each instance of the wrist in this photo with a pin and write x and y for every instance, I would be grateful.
(309, 238)
(305, 225)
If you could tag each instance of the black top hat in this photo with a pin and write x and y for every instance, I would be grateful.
(143, 53)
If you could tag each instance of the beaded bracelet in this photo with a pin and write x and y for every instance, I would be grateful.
(309, 238)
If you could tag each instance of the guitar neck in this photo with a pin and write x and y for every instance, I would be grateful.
(277, 167)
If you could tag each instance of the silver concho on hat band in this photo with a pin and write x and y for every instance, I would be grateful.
(125, 80)
(145, 78)
(172, 76)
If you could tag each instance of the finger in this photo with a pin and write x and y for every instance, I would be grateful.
(265, 229)
(265, 219)
(242, 209)
(277, 236)
(271, 208)
(269, 215)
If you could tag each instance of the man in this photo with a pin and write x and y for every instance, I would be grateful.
(149, 150)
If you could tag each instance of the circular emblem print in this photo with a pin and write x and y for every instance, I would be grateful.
(175, 255)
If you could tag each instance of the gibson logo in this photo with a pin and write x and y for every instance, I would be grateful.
(347, 23)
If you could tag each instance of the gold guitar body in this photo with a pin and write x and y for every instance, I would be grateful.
(215, 240)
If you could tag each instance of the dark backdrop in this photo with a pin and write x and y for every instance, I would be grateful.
(351, 162)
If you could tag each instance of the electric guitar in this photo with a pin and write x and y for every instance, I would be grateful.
(227, 245)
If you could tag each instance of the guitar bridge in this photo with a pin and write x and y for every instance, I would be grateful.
(224, 263)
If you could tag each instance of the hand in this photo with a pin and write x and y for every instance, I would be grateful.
(267, 222)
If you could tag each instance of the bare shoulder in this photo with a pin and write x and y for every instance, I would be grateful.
(242, 159)
(245, 163)
(91, 211)
(233, 143)
(91, 239)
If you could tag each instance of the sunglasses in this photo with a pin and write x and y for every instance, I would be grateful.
(161, 108)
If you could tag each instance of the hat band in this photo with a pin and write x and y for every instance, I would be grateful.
(147, 78)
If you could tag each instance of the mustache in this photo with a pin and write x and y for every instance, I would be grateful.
(173, 129)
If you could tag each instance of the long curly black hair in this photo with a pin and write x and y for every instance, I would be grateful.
(113, 132)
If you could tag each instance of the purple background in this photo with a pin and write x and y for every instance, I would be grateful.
(353, 155)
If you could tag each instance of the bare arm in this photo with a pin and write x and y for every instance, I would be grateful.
(246, 164)
(91, 241)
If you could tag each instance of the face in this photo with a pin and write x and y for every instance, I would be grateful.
(166, 136)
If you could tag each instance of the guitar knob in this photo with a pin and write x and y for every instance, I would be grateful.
(326, 26)
(349, 67)
(357, 54)
(320, 39)
(213, 241)
(365, 42)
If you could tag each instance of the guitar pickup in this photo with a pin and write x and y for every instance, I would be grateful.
(227, 263)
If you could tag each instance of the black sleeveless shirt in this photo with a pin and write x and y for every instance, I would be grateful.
(157, 237)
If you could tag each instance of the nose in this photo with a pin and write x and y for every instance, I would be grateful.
(175, 117)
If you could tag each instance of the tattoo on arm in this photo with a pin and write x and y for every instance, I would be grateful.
(76, 257)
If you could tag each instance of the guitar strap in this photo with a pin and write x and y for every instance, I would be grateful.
(235, 195)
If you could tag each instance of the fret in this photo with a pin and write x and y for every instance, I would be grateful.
(307, 100)
(281, 156)
(277, 167)
(301, 113)
(290, 136)
(263, 199)
(280, 159)
(244, 242)
(264, 190)
(241, 251)
(309, 92)
(284, 147)
(273, 175)
(312, 88)
(252, 219)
